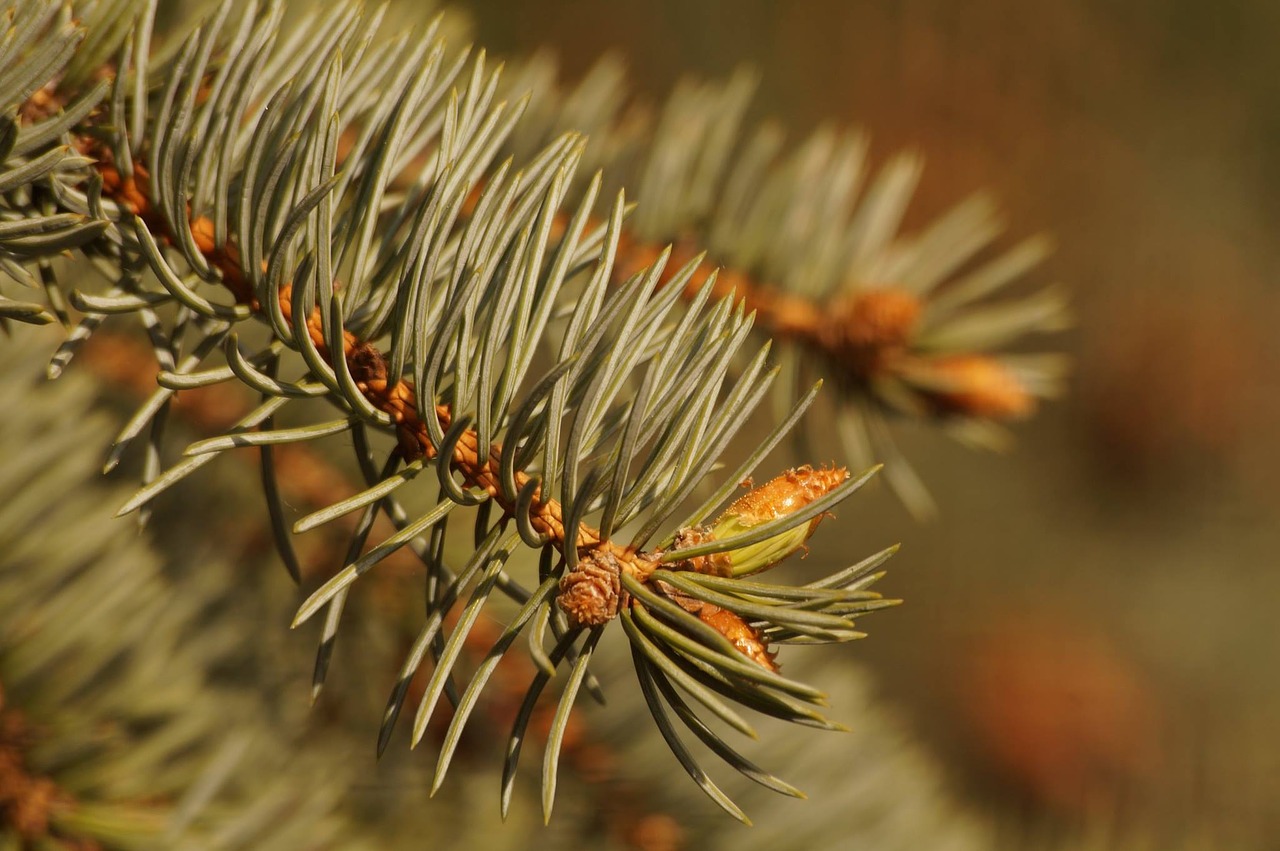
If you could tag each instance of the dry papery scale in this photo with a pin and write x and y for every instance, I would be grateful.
(928, 327)
(326, 179)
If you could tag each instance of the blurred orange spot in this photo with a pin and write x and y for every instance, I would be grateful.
(1059, 711)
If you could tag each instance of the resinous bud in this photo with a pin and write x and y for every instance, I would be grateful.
(779, 497)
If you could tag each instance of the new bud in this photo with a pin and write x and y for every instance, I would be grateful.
(784, 495)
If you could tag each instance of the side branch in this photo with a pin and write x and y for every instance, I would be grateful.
(862, 336)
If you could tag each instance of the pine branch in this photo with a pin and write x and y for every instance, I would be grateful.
(272, 168)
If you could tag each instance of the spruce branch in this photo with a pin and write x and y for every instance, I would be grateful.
(373, 249)
(905, 325)
(311, 481)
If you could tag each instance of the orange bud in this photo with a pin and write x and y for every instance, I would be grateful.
(202, 233)
(783, 495)
(882, 317)
(746, 638)
(864, 329)
(979, 386)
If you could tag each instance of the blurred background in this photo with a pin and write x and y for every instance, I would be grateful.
(1089, 632)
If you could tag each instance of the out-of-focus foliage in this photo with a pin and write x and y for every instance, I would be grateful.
(109, 667)
(906, 324)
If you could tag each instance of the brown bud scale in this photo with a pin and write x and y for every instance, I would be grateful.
(590, 593)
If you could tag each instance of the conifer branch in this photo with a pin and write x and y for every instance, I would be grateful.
(270, 167)
(905, 326)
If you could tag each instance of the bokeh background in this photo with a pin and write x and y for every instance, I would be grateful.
(1089, 634)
